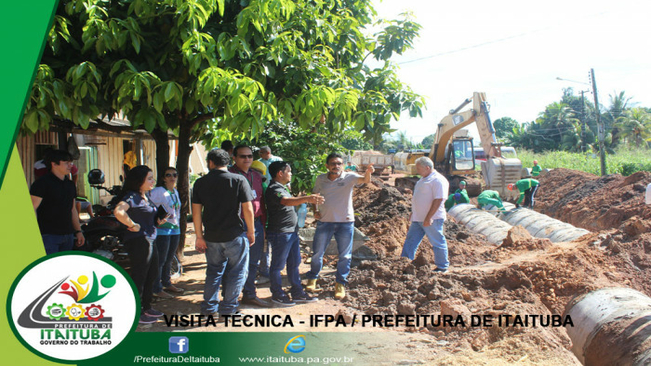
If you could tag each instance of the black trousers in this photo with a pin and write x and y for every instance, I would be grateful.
(529, 195)
(144, 267)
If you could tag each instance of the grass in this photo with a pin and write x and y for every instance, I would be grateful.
(625, 161)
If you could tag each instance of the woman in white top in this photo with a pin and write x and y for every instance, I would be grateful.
(169, 233)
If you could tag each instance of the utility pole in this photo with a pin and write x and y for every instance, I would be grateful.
(582, 122)
(600, 126)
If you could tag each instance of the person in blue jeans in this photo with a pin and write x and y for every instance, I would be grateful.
(428, 214)
(217, 199)
(53, 198)
(168, 234)
(243, 161)
(335, 217)
(282, 235)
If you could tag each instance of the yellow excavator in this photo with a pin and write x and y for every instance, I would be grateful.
(453, 152)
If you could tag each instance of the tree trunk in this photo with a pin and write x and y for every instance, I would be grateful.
(183, 185)
(162, 152)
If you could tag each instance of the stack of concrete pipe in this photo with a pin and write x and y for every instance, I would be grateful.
(543, 226)
(480, 222)
(495, 225)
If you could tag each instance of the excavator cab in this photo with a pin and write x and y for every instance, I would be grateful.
(462, 156)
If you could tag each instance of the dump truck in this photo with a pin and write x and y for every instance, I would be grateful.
(382, 163)
(453, 151)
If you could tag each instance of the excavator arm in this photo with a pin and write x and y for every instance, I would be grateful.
(455, 121)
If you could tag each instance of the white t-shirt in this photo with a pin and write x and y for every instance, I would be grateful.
(338, 195)
(648, 194)
(429, 188)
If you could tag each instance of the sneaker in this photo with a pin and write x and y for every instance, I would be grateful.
(441, 270)
(282, 301)
(311, 286)
(304, 298)
(144, 319)
(163, 295)
(172, 288)
(256, 301)
(154, 313)
(340, 291)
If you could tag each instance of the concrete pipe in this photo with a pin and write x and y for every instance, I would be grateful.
(480, 222)
(612, 326)
(542, 226)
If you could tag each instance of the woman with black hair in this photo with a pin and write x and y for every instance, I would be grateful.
(167, 234)
(137, 212)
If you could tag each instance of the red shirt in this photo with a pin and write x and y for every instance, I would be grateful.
(255, 181)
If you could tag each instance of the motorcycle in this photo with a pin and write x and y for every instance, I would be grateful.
(96, 180)
(104, 233)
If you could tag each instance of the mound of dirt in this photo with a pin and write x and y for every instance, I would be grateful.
(399, 286)
(591, 202)
(382, 213)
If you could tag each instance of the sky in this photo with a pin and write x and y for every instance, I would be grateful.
(514, 51)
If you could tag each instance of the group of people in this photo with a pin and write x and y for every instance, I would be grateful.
(232, 215)
(236, 208)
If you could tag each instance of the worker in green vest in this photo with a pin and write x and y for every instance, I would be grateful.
(535, 170)
(455, 199)
(462, 188)
(527, 188)
(489, 197)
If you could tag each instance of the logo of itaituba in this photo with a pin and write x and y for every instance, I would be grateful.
(81, 319)
(74, 317)
(295, 344)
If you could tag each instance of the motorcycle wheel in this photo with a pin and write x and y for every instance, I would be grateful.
(176, 268)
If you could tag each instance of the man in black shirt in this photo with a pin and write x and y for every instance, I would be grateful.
(216, 201)
(53, 197)
(282, 234)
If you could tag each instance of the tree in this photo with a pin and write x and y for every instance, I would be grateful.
(504, 126)
(635, 126)
(619, 104)
(197, 66)
(428, 141)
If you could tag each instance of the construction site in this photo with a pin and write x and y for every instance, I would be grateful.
(562, 283)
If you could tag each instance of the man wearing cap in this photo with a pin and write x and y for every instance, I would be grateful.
(455, 199)
(428, 214)
(535, 171)
(489, 197)
(527, 188)
(462, 189)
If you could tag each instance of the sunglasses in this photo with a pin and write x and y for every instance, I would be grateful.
(171, 175)
(245, 156)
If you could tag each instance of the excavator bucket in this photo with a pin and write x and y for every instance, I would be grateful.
(499, 173)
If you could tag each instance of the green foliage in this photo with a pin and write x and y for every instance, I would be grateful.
(305, 150)
(353, 140)
(624, 161)
(504, 127)
(230, 65)
(428, 141)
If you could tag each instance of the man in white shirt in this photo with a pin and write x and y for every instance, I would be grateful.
(648, 194)
(428, 214)
(335, 217)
